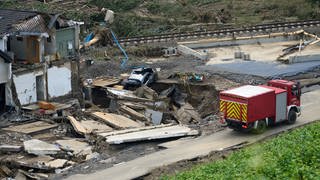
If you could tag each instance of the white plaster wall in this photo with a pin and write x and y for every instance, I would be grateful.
(59, 81)
(26, 88)
(9, 99)
(3, 43)
(59, 84)
(4, 71)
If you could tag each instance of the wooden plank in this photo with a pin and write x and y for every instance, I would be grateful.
(77, 126)
(6, 170)
(95, 126)
(132, 113)
(60, 106)
(31, 128)
(132, 105)
(105, 81)
(125, 95)
(152, 134)
(31, 107)
(115, 120)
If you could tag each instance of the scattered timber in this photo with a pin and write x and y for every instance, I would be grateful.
(77, 126)
(31, 128)
(105, 81)
(115, 120)
(132, 113)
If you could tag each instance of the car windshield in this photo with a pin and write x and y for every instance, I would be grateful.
(141, 71)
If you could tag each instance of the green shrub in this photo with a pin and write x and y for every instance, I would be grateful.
(117, 5)
(293, 155)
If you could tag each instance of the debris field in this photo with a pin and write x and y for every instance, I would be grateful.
(64, 111)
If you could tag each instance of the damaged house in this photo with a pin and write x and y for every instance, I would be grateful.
(37, 53)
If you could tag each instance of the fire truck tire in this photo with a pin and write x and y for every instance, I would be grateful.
(261, 127)
(292, 117)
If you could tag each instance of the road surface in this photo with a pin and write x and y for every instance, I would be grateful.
(201, 146)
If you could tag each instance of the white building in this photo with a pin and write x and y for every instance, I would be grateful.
(36, 55)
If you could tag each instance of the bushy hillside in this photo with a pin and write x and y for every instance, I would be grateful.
(140, 17)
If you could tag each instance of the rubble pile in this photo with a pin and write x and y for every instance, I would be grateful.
(57, 136)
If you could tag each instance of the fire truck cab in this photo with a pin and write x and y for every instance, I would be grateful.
(253, 108)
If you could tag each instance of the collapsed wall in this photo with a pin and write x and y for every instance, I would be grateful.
(41, 83)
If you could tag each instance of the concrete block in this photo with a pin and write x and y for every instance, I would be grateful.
(303, 58)
(188, 51)
(40, 148)
(77, 147)
(152, 134)
(10, 148)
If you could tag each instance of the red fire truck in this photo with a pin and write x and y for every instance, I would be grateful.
(254, 108)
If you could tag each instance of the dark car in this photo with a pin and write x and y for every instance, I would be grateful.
(139, 77)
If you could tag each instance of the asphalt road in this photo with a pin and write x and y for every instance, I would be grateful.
(201, 146)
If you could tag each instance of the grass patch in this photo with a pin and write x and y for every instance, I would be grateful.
(117, 5)
(293, 155)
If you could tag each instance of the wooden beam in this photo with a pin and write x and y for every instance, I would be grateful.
(115, 120)
(77, 126)
(132, 113)
(31, 128)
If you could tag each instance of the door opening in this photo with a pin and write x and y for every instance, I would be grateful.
(40, 87)
(2, 98)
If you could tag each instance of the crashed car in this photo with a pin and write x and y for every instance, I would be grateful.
(140, 76)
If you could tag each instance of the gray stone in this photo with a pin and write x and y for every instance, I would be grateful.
(40, 148)
(10, 148)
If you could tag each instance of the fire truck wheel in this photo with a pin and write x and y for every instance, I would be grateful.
(261, 127)
(292, 117)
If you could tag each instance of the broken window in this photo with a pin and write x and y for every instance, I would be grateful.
(19, 38)
(40, 87)
(49, 40)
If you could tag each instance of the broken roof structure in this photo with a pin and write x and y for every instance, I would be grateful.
(38, 46)
(10, 17)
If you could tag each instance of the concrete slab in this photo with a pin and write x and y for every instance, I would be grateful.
(40, 148)
(10, 148)
(264, 57)
(77, 147)
(57, 163)
(151, 134)
(188, 51)
(263, 69)
(202, 146)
